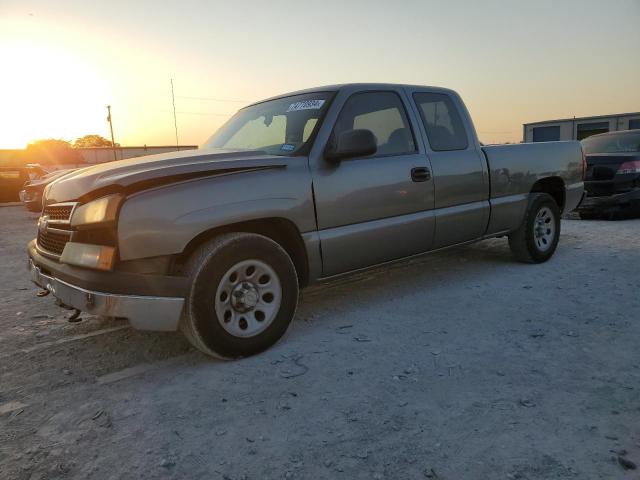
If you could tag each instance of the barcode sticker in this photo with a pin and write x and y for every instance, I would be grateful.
(306, 105)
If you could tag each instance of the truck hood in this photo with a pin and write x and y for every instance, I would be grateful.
(139, 173)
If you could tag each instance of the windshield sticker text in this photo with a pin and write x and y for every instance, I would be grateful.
(288, 147)
(306, 105)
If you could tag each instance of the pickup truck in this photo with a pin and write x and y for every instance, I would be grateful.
(292, 190)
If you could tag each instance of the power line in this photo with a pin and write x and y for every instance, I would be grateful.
(206, 113)
(212, 99)
(500, 133)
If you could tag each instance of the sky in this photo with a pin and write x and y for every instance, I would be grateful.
(64, 61)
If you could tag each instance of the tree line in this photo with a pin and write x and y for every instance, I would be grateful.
(51, 151)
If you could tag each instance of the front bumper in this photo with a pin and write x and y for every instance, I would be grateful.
(144, 312)
(610, 202)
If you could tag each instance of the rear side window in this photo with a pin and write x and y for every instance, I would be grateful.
(442, 121)
(383, 114)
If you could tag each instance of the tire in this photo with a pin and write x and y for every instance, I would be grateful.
(536, 239)
(242, 298)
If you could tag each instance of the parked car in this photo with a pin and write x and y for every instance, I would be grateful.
(11, 180)
(31, 193)
(612, 181)
(290, 191)
(14, 177)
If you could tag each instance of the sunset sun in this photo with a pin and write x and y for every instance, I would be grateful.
(52, 94)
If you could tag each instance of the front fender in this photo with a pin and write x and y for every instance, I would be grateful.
(164, 220)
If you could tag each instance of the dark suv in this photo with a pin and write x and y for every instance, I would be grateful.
(612, 181)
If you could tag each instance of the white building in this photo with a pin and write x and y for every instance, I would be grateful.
(91, 155)
(106, 154)
(578, 128)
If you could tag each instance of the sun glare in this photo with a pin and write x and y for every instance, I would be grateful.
(47, 93)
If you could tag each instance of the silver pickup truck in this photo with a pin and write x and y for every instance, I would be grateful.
(290, 191)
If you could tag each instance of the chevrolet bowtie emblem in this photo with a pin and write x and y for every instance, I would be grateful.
(43, 223)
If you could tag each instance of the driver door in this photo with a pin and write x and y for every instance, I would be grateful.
(376, 208)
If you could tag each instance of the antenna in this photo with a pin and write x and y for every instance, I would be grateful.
(175, 120)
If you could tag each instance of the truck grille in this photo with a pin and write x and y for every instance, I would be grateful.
(60, 212)
(54, 230)
(53, 242)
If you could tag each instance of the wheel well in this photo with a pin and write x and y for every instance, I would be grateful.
(280, 230)
(554, 186)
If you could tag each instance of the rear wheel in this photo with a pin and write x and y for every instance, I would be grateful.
(243, 295)
(537, 238)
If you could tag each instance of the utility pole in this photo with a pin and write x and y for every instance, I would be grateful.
(175, 121)
(113, 141)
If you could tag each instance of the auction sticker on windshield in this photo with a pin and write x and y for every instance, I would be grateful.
(306, 105)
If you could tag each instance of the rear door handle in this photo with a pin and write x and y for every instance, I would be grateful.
(420, 174)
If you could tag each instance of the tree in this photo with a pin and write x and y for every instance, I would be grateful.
(51, 151)
(92, 140)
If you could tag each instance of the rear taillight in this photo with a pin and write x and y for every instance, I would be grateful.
(629, 167)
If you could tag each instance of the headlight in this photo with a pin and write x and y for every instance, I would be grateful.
(101, 211)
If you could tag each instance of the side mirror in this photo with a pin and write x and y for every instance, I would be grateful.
(352, 143)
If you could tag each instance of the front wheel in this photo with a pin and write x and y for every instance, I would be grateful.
(243, 295)
(537, 238)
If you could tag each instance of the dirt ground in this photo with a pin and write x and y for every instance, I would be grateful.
(458, 365)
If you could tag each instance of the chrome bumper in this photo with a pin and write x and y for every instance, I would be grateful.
(144, 313)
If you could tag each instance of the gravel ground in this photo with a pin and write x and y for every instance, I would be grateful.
(458, 365)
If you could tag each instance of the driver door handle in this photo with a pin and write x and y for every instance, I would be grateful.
(420, 174)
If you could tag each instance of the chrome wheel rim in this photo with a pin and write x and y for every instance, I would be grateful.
(544, 229)
(248, 298)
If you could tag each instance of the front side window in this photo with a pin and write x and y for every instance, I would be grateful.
(442, 121)
(282, 126)
(383, 114)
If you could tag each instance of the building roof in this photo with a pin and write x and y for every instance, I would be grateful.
(581, 119)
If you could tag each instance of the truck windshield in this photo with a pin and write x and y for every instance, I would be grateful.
(620, 143)
(279, 127)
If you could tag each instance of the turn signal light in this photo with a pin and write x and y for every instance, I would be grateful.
(99, 257)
